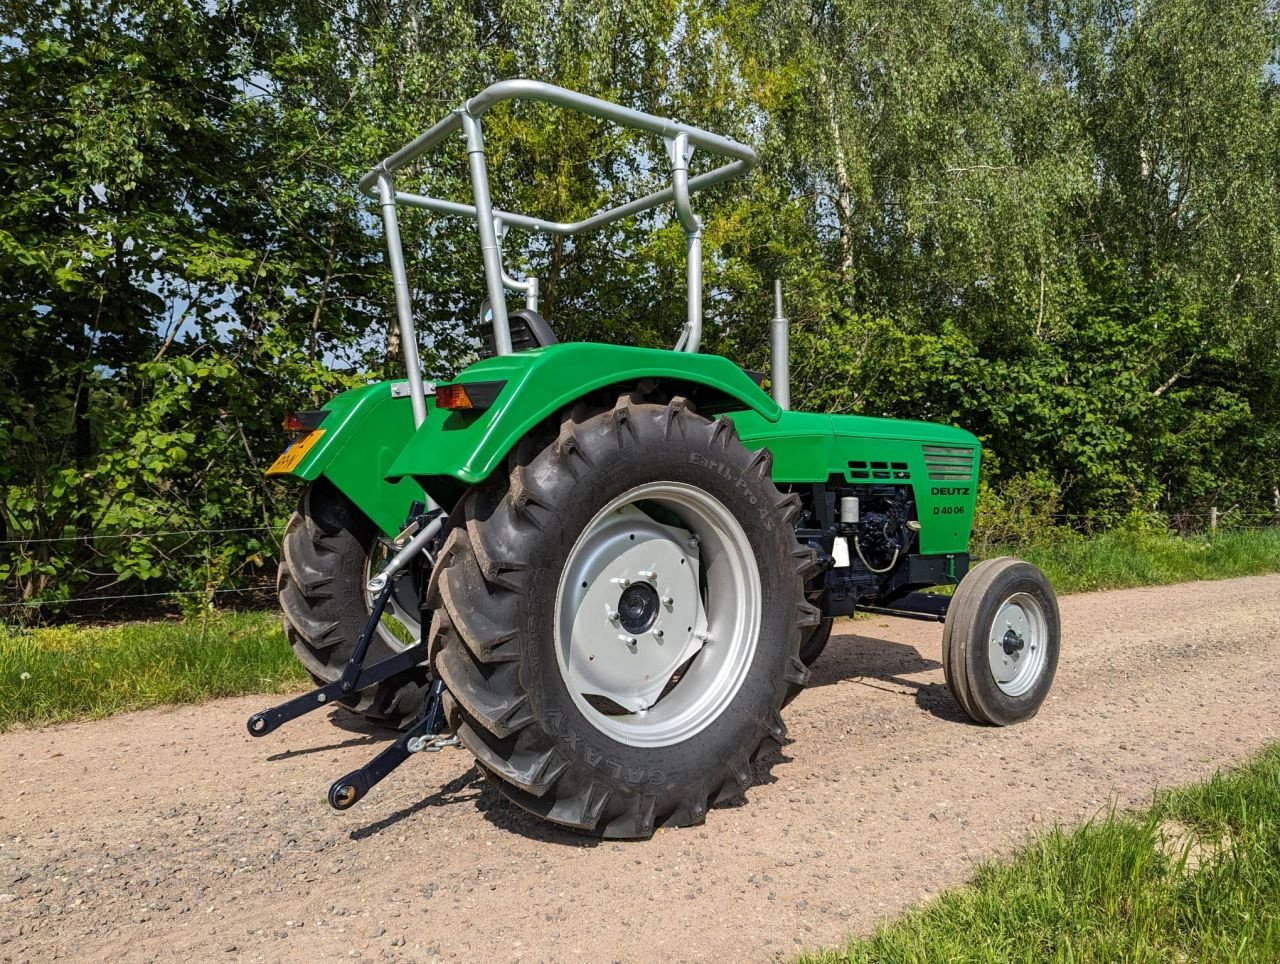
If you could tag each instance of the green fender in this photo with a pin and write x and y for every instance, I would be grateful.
(454, 449)
(360, 437)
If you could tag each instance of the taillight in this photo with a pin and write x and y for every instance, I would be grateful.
(296, 423)
(468, 396)
(453, 397)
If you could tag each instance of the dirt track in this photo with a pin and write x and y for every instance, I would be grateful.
(172, 833)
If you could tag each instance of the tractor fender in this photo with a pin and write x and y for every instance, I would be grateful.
(455, 449)
(355, 444)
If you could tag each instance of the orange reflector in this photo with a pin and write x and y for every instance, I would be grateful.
(453, 397)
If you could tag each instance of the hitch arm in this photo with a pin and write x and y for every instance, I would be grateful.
(347, 790)
(260, 724)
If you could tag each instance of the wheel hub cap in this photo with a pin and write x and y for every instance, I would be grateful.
(1016, 647)
(1012, 643)
(639, 615)
(657, 614)
(638, 608)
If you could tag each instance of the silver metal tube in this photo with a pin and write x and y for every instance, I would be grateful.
(780, 345)
(405, 555)
(549, 93)
(414, 149)
(529, 285)
(404, 303)
(489, 250)
(598, 220)
(681, 152)
(693, 323)
(681, 140)
(523, 89)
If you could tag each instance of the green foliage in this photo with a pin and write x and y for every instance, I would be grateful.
(1024, 512)
(1195, 878)
(71, 672)
(1057, 225)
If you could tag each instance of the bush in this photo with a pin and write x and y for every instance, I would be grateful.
(1025, 510)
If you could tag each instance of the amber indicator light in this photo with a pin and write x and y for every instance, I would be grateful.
(453, 397)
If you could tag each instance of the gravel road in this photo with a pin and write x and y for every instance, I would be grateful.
(171, 833)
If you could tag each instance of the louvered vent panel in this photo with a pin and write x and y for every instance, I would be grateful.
(947, 463)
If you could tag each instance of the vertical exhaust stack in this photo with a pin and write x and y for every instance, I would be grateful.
(781, 347)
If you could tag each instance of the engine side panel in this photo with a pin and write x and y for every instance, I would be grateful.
(939, 462)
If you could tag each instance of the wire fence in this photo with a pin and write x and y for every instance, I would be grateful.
(194, 565)
(257, 577)
(106, 536)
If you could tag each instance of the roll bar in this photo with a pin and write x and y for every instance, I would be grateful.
(681, 140)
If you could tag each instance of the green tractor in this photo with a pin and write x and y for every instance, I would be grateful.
(604, 571)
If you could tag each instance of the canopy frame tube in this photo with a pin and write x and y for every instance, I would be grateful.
(681, 140)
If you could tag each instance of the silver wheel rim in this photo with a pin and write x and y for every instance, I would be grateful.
(1016, 644)
(398, 606)
(654, 677)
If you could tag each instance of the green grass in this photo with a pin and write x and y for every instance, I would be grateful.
(74, 672)
(1195, 878)
(1122, 560)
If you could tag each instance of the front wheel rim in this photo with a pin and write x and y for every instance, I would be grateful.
(1017, 644)
(657, 614)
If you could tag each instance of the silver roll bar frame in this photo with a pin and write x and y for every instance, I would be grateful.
(681, 140)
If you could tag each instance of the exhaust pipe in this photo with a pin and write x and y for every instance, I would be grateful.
(781, 348)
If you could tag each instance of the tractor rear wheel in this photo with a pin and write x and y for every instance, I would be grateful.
(619, 617)
(330, 549)
(816, 641)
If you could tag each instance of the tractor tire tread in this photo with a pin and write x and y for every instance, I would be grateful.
(323, 604)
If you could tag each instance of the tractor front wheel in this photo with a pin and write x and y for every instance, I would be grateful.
(619, 618)
(1000, 642)
(330, 550)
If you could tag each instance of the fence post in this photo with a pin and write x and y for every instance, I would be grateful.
(1213, 520)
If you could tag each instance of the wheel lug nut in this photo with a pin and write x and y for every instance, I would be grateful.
(668, 601)
(613, 616)
(649, 574)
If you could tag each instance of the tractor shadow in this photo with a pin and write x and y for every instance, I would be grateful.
(849, 658)
(469, 786)
(888, 666)
(506, 816)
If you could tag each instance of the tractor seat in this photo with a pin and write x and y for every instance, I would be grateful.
(528, 329)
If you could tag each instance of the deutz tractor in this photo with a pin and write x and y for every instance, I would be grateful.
(605, 570)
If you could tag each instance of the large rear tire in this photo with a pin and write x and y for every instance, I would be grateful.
(619, 616)
(329, 548)
(816, 641)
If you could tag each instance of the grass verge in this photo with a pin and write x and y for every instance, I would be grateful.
(73, 672)
(1195, 878)
(1123, 560)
